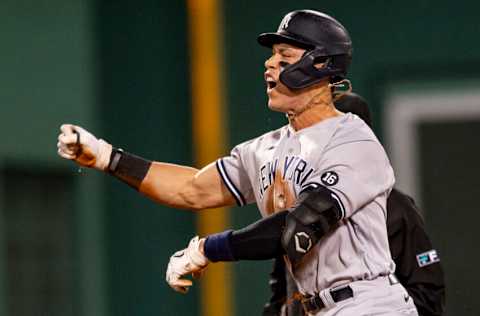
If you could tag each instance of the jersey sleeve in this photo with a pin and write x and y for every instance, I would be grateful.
(234, 172)
(355, 172)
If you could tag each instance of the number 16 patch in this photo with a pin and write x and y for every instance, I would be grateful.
(329, 178)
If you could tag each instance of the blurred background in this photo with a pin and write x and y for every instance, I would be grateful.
(181, 81)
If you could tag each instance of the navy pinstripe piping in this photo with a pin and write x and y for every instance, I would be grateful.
(228, 182)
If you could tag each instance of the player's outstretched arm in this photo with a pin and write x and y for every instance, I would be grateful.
(186, 187)
(169, 184)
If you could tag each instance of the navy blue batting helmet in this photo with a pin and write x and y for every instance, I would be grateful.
(325, 40)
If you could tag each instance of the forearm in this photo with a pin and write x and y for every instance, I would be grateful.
(258, 241)
(170, 184)
(176, 186)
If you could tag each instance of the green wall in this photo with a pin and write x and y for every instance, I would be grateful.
(145, 109)
(48, 77)
(452, 214)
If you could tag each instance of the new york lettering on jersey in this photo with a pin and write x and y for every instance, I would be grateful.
(279, 183)
(295, 170)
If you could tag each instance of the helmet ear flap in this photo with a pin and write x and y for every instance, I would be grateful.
(306, 72)
(298, 75)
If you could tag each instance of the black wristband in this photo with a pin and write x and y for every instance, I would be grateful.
(128, 167)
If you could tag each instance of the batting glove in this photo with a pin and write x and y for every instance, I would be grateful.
(77, 144)
(183, 262)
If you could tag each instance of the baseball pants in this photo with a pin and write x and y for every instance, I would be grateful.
(380, 297)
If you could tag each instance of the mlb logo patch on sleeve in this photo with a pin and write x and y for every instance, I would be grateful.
(427, 258)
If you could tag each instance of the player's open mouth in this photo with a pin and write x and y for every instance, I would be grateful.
(271, 83)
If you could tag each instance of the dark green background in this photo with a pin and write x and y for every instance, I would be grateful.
(450, 189)
(121, 68)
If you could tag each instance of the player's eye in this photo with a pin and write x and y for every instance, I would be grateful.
(283, 64)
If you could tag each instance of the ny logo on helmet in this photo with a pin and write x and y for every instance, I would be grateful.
(285, 21)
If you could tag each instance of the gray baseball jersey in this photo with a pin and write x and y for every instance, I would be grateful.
(342, 154)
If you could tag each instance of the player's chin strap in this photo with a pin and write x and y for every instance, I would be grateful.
(338, 90)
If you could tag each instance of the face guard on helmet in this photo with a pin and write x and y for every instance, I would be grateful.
(326, 42)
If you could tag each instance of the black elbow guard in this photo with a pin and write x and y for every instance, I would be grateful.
(316, 212)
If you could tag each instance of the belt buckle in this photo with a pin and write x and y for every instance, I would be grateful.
(338, 288)
(315, 303)
(392, 279)
(341, 293)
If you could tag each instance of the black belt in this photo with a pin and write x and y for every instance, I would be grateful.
(315, 303)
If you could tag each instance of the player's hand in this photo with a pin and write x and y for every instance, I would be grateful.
(79, 145)
(187, 261)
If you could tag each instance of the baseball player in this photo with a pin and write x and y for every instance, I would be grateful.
(320, 182)
(417, 264)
